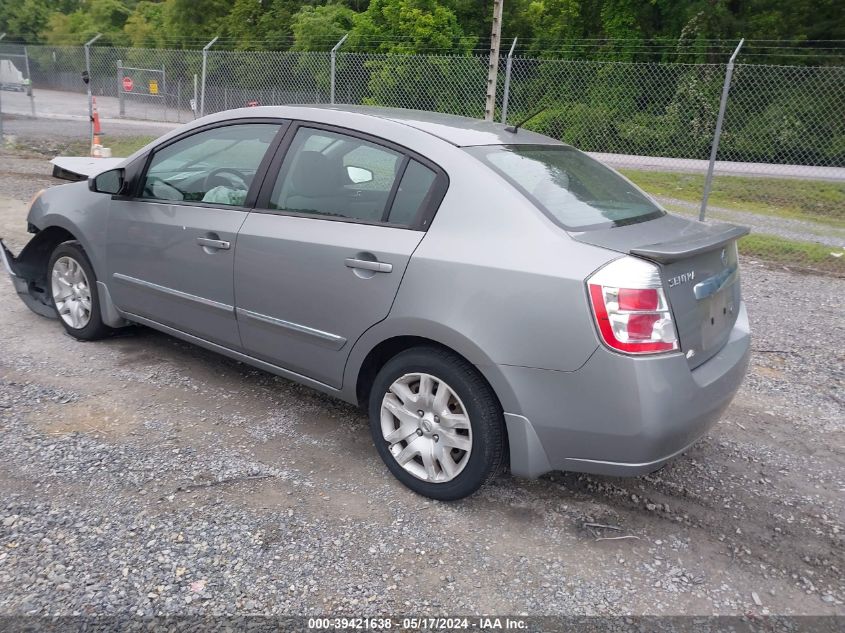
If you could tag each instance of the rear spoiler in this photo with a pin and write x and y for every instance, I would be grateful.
(706, 238)
(76, 168)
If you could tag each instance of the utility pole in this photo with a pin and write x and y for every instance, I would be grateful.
(493, 67)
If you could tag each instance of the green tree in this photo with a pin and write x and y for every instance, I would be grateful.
(193, 21)
(408, 27)
(145, 28)
(68, 29)
(89, 18)
(552, 24)
(25, 19)
(243, 24)
(403, 31)
(319, 28)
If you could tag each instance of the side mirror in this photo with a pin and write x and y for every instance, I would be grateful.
(359, 175)
(110, 181)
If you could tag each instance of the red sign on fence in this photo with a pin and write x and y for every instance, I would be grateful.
(127, 84)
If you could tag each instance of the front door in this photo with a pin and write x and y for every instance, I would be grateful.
(322, 261)
(171, 248)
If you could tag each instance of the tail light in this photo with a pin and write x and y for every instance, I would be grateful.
(630, 307)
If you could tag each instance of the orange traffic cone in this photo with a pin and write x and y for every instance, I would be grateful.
(96, 146)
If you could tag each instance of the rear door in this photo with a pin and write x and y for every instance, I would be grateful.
(171, 247)
(320, 259)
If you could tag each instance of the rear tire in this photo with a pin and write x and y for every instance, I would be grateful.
(73, 289)
(436, 423)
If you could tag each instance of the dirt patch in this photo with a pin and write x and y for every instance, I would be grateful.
(96, 418)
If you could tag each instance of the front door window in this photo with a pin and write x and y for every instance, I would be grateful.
(215, 166)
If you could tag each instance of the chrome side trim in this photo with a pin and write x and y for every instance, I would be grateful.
(174, 293)
(328, 339)
(244, 358)
(714, 284)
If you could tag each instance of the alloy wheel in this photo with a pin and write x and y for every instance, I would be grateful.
(426, 427)
(71, 292)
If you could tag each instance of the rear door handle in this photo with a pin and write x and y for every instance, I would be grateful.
(211, 243)
(365, 264)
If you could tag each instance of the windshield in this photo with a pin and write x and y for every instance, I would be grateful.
(575, 190)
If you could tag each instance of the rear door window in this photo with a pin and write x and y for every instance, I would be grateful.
(413, 194)
(326, 173)
(573, 189)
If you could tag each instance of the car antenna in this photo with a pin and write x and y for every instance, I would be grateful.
(515, 128)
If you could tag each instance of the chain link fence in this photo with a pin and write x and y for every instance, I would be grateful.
(777, 116)
(15, 77)
(238, 79)
(786, 115)
(439, 83)
(654, 121)
(628, 110)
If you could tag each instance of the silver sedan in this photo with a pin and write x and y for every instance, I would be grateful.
(493, 297)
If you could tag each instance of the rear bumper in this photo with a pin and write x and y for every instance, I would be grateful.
(23, 286)
(619, 415)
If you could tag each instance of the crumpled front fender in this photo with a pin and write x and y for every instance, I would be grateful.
(29, 279)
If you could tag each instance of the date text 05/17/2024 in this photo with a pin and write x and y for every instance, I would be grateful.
(482, 623)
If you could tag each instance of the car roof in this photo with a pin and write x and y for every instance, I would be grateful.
(457, 130)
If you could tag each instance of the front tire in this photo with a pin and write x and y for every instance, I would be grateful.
(73, 289)
(436, 423)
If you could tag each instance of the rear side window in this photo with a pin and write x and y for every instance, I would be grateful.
(330, 174)
(575, 190)
(413, 193)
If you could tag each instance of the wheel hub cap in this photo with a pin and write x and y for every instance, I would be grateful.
(426, 427)
(71, 292)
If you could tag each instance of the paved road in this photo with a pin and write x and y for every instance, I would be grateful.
(54, 104)
(723, 167)
(142, 475)
(76, 128)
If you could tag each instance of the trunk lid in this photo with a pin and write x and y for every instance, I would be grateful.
(700, 273)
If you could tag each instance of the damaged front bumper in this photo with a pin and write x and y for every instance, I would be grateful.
(29, 282)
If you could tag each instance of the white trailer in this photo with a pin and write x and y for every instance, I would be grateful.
(10, 77)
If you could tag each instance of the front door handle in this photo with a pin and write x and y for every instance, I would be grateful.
(212, 243)
(365, 264)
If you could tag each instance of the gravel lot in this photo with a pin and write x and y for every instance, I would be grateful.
(145, 476)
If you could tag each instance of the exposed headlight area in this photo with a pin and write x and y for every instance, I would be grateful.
(630, 307)
(35, 198)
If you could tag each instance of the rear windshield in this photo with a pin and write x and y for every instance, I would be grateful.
(573, 189)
